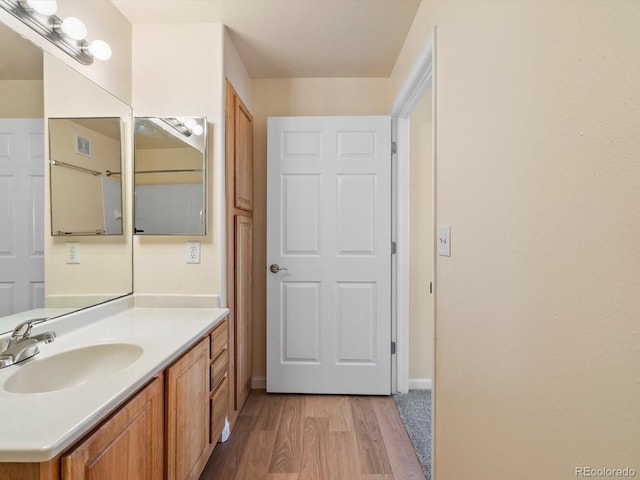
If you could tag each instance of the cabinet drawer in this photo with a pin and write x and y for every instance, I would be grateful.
(219, 339)
(219, 404)
(218, 370)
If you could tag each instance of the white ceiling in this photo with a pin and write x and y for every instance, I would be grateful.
(297, 38)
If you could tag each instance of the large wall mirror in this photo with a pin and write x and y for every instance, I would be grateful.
(36, 278)
(85, 163)
(169, 175)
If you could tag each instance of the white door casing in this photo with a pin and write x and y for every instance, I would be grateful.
(418, 82)
(329, 226)
(21, 215)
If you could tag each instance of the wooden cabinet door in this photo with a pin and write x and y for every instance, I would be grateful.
(188, 413)
(244, 293)
(128, 446)
(239, 206)
(243, 156)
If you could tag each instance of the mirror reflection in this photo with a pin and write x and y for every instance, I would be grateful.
(169, 161)
(35, 86)
(21, 176)
(85, 164)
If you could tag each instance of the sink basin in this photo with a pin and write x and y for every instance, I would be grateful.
(72, 368)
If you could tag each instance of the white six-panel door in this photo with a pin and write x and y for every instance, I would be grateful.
(329, 231)
(21, 215)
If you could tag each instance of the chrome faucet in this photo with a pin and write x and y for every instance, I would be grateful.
(22, 345)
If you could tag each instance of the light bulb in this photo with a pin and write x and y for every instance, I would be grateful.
(74, 28)
(100, 49)
(43, 7)
(190, 123)
(197, 130)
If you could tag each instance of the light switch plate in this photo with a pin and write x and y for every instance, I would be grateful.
(73, 252)
(193, 252)
(444, 240)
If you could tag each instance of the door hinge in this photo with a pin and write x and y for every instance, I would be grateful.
(430, 287)
(394, 248)
(394, 147)
(393, 348)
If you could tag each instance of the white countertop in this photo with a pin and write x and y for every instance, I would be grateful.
(38, 426)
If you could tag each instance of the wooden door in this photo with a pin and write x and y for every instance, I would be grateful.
(239, 184)
(188, 413)
(128, 446)
(244, 292)
(243, 157)
(329, 255)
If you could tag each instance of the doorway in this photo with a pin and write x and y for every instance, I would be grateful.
(415, 133)
(329, 255)
(415, 406)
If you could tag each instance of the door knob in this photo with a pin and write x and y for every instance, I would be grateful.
(275, 268)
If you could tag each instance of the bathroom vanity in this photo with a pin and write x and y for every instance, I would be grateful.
(123, 392)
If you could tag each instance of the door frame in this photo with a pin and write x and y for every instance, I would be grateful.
(420, 79)
(418, 82)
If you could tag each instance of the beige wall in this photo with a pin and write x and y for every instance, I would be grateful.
(105, 261)
(21, 99)
(420, 243)
(537, 307)
(178, 71)
(172, 78)
(104, 21)
(297, 96)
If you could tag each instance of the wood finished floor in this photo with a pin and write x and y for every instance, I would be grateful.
(323, 437)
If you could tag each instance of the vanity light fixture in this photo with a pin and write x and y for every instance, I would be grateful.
(100, 49)
(68, 34)
(43, 7)
(72, 27)
(178, 125)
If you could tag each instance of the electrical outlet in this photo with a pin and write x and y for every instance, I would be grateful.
(73, 252)
(193, 252)
(444, 241)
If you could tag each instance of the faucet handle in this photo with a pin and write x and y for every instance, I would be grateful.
(23, 330)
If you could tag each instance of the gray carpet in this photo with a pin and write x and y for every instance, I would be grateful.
(415, 411)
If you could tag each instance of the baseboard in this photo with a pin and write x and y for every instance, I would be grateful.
(419, 384)
(258, 383)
